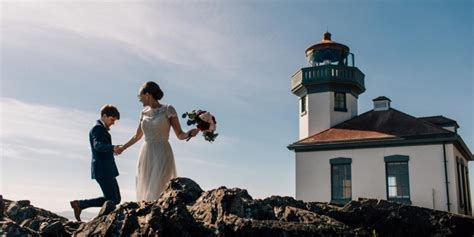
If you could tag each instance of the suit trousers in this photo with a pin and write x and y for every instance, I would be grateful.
(111, 192)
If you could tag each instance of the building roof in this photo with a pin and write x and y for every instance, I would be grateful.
(381, 98)
(381, 128)
(440, 120)
(375, 125)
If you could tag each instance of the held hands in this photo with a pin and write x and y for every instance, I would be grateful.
(118, 150)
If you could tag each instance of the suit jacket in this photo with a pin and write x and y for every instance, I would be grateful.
(103, 161)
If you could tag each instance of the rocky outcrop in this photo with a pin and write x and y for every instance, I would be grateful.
(184, 209)
(19, 218)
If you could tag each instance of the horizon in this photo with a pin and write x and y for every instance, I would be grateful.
(61, 61)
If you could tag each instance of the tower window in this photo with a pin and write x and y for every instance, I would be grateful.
(303, 105)
(340, 101)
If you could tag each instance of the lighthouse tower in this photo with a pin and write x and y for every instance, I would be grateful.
(328, 89)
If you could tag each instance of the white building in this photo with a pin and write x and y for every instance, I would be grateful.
(382, 153)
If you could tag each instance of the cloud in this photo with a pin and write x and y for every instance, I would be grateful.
(34, 122)
(180, 42)
(160, 31)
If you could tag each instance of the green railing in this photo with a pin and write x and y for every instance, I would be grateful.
(328, 73)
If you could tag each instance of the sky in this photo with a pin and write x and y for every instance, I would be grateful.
(62, 60)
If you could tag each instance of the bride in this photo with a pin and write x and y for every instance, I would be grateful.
(156, 164)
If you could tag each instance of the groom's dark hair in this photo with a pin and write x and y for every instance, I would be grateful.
(110, 110)
(153, 89)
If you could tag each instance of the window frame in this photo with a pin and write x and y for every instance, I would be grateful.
(390, 160)
(459, 181)
(336, 105)
(342, 162)
(463, 186)
(303, 105)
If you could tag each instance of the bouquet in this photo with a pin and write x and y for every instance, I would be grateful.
(205, 122)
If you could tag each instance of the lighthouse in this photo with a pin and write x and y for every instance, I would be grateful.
(328, 89)
(382, 153)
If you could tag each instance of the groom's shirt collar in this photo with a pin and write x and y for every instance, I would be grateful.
(103, 124)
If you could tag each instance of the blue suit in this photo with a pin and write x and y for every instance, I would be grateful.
(103, 161)
(103, 167)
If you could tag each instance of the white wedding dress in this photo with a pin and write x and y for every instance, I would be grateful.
(156, 164)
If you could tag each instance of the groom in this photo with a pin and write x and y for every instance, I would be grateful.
(103, 165)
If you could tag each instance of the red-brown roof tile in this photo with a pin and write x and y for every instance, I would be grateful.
(377, 125)
(336, 134)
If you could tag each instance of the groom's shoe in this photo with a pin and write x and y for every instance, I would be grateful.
(77, 209)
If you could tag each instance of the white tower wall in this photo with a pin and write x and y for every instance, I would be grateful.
(320, 114)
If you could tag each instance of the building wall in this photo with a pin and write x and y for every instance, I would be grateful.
(303, 122)
(425, 166)
(320, 114)
(452, 184)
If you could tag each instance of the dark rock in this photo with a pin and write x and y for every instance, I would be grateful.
(71, 226)
(406, 220)
(101, 226)
(452, 224)
(10, 228)
(214, 205)
(2, 207)
(184, 210)
(260, 211)
(277, 201)
(246, 227)
(321, 208)
(34, 221)
(265, 209)
(183, 189)
(176, 219)
(23, 203)
(107, 208)
(19, 212)
(146, 219)
(22, 210)
(52, 229)
(384, 204)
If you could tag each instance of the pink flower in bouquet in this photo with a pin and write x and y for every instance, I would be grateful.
(204, 121)
(208, 118)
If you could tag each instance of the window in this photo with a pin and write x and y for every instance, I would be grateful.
(460, 187)
(463, 187)
(341, 183)
(340, 101)
(398, 188)
(303, 105)
(381, 105)
(469, 207)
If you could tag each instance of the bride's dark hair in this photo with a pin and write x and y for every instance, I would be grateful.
(153, 89)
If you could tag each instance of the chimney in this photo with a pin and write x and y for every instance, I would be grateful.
(381, 103)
